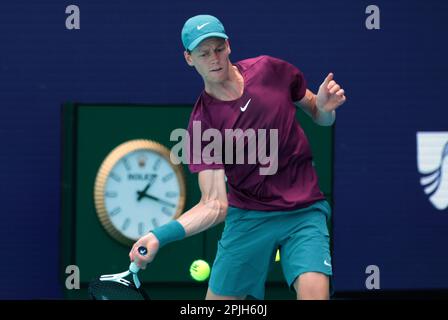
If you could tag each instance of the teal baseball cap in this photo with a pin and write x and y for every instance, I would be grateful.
(201, 27)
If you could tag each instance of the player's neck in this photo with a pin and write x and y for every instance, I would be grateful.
(230, 89)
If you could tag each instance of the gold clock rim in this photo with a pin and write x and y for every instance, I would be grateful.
(106, 167)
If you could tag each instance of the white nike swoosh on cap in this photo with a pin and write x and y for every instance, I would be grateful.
(202, 25)
(245, 106)
(327, 263)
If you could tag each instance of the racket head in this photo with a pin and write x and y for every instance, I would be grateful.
(112, 290)
(115, 287)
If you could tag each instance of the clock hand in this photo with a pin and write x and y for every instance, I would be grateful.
(150, 183)
(145, 195)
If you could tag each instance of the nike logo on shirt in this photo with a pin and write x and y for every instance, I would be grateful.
(245, 106)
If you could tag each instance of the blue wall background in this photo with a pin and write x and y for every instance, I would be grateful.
(395, 80)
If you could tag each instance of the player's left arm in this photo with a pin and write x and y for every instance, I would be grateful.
(321, 107)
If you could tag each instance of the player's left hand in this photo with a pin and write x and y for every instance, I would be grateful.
(330, 95)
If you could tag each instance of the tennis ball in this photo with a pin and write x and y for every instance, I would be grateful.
(200, 270)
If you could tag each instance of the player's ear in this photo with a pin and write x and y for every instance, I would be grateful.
(228, 45)
(188, 58)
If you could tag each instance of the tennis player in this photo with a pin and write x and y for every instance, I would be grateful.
(284, 209)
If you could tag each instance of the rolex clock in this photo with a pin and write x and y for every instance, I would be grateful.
(137, 189)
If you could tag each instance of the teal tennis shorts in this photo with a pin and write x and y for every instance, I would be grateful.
(250, 241)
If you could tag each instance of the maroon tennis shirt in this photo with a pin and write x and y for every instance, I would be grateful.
(271, 86)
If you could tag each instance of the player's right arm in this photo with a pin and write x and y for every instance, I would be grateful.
(212, 208)
(210, 211)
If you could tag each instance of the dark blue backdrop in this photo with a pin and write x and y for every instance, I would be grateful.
(131, 52)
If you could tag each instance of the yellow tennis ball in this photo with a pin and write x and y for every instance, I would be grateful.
(200, 270)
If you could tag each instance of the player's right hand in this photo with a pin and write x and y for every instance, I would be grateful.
(151, 243)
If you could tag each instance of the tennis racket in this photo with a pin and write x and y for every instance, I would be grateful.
(116, 287)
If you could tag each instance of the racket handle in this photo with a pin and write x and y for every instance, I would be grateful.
(142, 250)
(133, 266)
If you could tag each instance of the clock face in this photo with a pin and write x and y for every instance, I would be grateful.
(140, 191)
